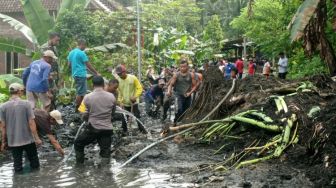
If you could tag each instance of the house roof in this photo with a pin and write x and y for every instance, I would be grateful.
(14, 6)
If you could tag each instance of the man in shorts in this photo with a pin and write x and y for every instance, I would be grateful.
(36, 78)
(79, 62)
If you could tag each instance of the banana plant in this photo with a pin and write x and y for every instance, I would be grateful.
(12, 45)
(302, 17)
(39, 23)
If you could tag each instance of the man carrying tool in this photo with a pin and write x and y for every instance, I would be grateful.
(130, 91)
(45, 122)
(99, 107)
(184, 85)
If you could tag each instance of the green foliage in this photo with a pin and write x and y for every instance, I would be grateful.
(302, 17)
(38, 19)
(12, 45)
(78, 24)
(301, 66)
(226, 10)
(68, 5)
(213, 32)
(267, 26)
(184, 15)
(5, 81)
(19, 26)
(66, 96)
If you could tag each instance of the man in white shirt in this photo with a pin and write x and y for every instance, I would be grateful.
(283, 65)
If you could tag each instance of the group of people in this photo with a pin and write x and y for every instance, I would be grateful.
(184, 81)
(23, 122)
(236, 70)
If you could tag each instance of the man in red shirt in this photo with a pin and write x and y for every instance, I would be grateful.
(240, 67)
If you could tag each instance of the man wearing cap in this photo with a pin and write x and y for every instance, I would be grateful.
(45, 123)
(130, 91)
(19, 128)
(79, 62)
(35, 79)
(155, 96)
(53, 42)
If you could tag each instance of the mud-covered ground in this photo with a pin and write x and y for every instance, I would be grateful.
(191, 162)
(186, 158)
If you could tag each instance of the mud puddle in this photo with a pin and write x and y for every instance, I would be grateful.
(166, 165)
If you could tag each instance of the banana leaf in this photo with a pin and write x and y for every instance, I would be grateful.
(6, 80)
(19, 26)
(69, 4)
(38, 19)
(12, 45)
(302, 17)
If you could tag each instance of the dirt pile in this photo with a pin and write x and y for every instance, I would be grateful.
(312, 100)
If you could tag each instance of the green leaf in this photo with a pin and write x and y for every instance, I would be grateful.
(5, 81)
(2, 84)
(19, 26)
(12, 45)
(38, 19)
(69, 5)
(302, 17)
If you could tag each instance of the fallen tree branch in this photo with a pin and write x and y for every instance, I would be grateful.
(184, 126)
(182, 132)
(212, 111)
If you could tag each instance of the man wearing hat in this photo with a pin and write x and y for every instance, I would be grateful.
(36, 80)
(19, 128)
(155, 96)
(129, 91)
(45, 123)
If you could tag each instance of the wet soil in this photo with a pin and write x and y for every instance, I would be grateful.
(187, 161)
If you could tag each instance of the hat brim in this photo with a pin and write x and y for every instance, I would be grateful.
(59, 121)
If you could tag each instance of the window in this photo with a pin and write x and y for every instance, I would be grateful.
(12, 62)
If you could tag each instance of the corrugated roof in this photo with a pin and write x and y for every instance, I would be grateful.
(12, 6)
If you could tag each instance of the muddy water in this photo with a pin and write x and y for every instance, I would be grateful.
(51, 175)
(55, 172)
(166, 165)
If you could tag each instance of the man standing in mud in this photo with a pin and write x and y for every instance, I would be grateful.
(19, 129)
(99, 107)
(182, 82)
(53, 42)
(283, 64)
(36, 80)
(130, 90)
(79, 61)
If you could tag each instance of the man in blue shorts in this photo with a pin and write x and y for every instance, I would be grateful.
(79, 62)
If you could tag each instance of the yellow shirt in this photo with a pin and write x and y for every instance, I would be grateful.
(129, 87)
(82, 108)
